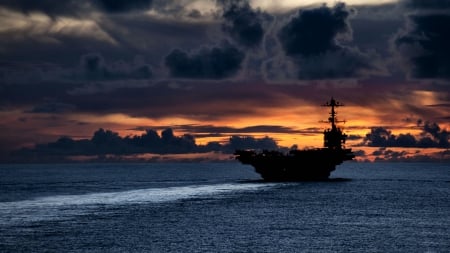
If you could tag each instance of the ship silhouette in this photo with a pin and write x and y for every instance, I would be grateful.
(302, 165)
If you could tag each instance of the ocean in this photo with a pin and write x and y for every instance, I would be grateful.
(222, 207)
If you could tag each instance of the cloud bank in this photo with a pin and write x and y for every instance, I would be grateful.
(313, 39)
(107, 142)
(423, 43)
(432, 136)
(81, 63)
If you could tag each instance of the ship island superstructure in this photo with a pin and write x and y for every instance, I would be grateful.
(302, 165)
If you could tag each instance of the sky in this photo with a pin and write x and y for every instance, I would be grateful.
(128, 79)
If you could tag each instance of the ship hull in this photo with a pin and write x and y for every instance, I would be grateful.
(297, 165)
(302, 165)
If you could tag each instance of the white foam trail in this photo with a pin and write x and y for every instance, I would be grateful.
(65, 206)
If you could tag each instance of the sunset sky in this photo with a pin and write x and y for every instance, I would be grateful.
(220, 68)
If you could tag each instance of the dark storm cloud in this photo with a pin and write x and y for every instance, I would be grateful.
(52, 107)
(345, 63)
(205, 99)
(207, 63)
(53, 89)
(93, 65)
(95, 68)
(49, 7)
(35, 94)
(423, 44)
(374, 34)
(124, 5)
(441, 136)
(384, 154)
(242, 22)
(387, 155)
(248, 142)
(381, 137)
(313, 39)
(427, 4)
(148, 98)
(313, 32)
(75, 7)
(109, 142)
(105, 142)
(432, 136)
(165, 99)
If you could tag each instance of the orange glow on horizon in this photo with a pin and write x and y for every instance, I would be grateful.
(308, 126)
(302, 125)
(402, 153)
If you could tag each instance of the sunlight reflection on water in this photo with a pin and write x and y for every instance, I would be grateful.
(64, 206)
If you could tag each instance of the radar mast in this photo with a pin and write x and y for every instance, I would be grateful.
(333, 138)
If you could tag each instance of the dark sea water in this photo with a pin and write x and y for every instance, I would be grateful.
(222, 207)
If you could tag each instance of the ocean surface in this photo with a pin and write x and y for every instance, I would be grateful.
(222, 207)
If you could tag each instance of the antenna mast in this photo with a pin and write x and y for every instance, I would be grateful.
(334, 138)
(333, 119)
